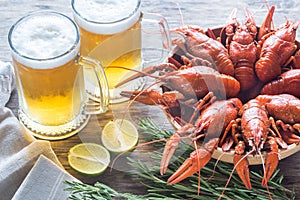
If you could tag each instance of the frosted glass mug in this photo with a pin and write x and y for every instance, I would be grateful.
(112, 31)
(53, 100)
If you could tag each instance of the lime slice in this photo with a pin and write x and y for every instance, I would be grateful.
(119, 135)
(89, 158)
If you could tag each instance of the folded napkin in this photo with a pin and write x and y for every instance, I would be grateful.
(19, 152)
(47, 180)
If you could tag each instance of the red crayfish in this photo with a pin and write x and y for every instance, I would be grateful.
(276, 50)
(239, 92)
(242, 49)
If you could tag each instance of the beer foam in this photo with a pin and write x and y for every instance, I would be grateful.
(42, 40)
(106, 17)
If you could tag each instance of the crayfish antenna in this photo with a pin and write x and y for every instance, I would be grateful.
(126, 111)
(139, 74)
(137, 96)
(230, 23)
(135, 147)
(215, 166)
(180, 13)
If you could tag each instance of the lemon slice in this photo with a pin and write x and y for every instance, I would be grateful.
(89, 158)
(119, 135)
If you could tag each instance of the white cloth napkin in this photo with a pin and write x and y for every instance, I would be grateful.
(47, 179)
(19, 152)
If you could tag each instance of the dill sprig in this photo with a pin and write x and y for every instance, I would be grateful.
(212, 180)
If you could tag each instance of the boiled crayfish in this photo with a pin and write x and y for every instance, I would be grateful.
(239, 91)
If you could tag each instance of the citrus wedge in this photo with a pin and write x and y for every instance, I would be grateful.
(119, 135)
(89, 158)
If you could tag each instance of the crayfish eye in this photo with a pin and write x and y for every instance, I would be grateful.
(229, 30)
(261, 140)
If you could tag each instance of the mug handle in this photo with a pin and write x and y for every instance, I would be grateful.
(156, 40)
(98, 96)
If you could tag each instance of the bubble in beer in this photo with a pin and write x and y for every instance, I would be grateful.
(44, 37)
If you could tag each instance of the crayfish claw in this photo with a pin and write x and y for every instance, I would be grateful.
(153, 97)
(271, 160)
(241, 164)
(249, 18)
(198, 159)
(169, 150)
(187, 169)
(242, 169)
(172, 145)
(232, 17)
(227, 144)
(266, 26)
(271, 165)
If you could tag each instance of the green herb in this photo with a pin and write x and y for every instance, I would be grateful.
(212, 181)
(82, 191)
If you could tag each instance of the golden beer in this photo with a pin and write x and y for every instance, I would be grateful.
(111, 33)
(50, 76)
(52, 96)
(113, 53)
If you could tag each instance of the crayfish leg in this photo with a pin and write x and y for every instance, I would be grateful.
(290, 137)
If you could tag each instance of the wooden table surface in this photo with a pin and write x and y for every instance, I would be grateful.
(200, 12)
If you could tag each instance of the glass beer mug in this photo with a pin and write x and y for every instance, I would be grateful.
(53, 102)
(112, 32)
